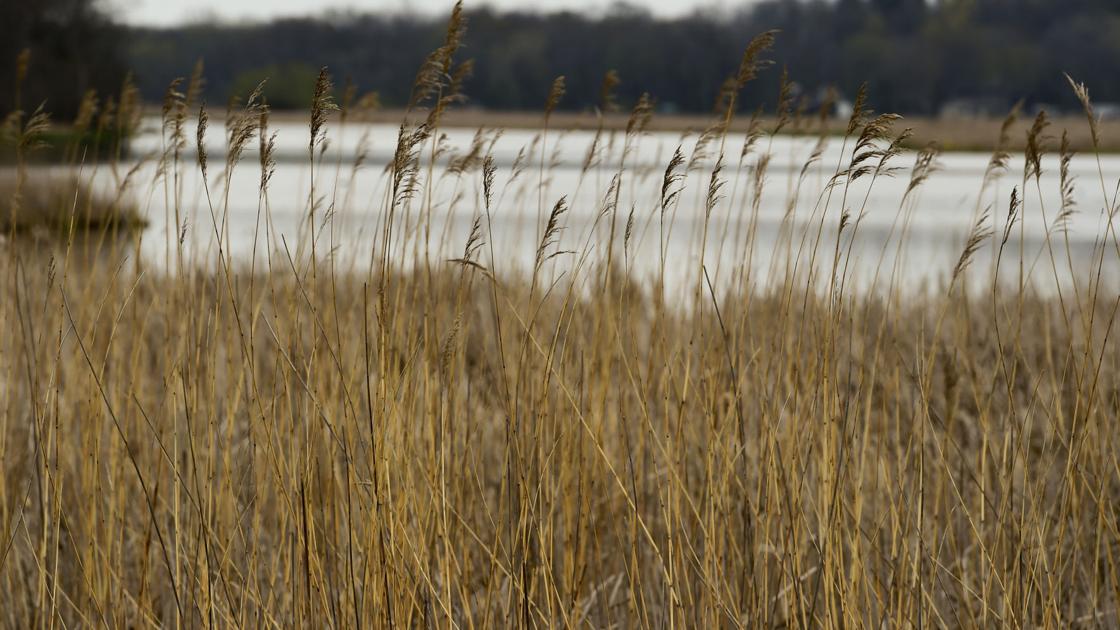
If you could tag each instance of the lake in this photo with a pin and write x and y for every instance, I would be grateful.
(919, 236)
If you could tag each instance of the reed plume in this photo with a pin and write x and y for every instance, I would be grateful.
(1036, 145)
(1066, 184)
(979, 233)
(551, 235)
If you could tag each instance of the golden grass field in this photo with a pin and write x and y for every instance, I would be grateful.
(301, 443)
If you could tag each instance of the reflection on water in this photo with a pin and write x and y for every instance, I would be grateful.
(892, 239)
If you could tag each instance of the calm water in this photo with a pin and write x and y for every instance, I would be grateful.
(928, 230)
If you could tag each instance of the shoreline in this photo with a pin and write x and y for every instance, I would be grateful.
(957, 134)
(965, 135)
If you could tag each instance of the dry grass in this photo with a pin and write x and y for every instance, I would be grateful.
(59, 204)
(308, 443)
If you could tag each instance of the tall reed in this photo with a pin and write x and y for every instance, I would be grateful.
(406, 440)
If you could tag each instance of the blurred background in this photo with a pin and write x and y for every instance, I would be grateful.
(958, 58)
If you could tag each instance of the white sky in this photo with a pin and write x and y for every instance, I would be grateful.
(170, 12)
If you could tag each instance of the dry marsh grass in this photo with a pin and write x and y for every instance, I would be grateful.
(42, 200)
(438, 443)
(59, 204)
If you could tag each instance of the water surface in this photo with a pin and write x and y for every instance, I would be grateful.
(909, 241)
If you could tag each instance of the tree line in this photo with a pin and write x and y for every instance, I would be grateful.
(916, 56)
(53, 51)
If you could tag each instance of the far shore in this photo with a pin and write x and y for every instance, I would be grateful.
(979, 134)
(951, 134)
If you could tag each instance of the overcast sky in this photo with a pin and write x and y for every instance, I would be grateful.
(169, 12)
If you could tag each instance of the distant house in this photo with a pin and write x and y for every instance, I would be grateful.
(974, 107)
(1107, 111)
(838, 106)
(1050, 109)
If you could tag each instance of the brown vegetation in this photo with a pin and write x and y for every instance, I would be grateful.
(443, 444)
(45, 203)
